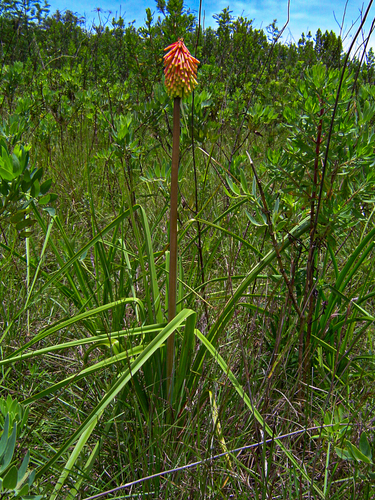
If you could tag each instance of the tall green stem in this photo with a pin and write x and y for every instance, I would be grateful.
(173, 243)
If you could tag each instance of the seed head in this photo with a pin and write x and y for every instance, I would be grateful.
(180, 70)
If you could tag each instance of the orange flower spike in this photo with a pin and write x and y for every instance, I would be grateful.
(180, 70)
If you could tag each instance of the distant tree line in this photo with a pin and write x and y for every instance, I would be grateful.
(234, 55)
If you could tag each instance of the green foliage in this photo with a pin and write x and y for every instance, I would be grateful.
(20, 186)
(14, 482)
(347, 162)
(16, 413)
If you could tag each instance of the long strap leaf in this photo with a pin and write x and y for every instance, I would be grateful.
(74, 319)
(63, 270)
(139, 331)
(118, 386)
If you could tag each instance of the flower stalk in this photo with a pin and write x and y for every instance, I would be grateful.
(172, 290)
(180, 79)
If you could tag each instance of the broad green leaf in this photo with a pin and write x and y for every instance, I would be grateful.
(254, 221)
(4, 436)
(364, 446)
(45, 187)
(22, 492)
(26, 223)
(8, 454)
(244, 181)
(10, 479)
(22, 471)
(20, 215)
(44, 199)
(6, 174)
(356, 453)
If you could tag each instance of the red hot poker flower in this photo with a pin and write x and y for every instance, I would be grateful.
(180, 70)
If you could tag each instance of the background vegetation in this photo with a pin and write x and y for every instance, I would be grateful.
(273, 392)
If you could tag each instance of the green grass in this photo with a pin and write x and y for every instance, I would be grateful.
(84, 312)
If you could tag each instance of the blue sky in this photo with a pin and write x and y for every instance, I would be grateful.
(305, 15)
